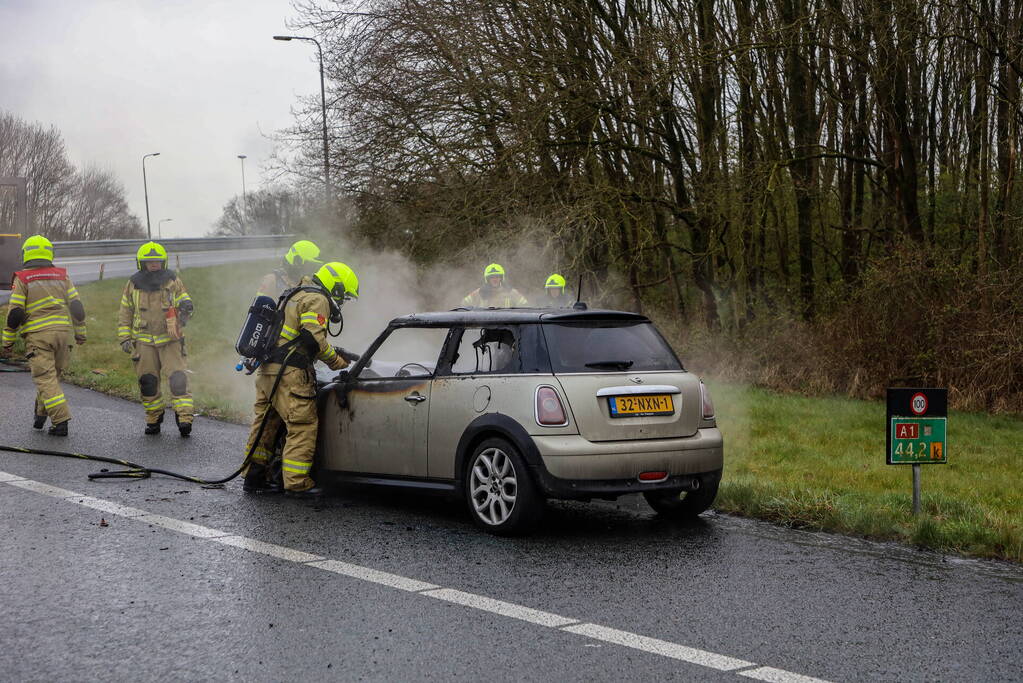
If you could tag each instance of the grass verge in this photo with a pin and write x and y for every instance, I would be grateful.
(819, 463)
(814, 463)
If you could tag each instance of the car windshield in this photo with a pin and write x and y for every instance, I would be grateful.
(407, 352)
(606, 346)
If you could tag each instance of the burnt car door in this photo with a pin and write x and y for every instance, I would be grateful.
(380, 423)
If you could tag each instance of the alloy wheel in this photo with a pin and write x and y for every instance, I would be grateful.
(494, 486)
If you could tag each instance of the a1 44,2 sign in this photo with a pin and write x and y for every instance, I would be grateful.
(917, 440)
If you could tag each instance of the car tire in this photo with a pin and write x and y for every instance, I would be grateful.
(499, 491)
(683, 504)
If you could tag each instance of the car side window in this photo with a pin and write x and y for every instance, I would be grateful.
(487, 350)
(406, 352)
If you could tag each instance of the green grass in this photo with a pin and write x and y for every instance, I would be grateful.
(819, 463)
(815, 463)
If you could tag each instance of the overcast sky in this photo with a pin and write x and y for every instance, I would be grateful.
(200, 81)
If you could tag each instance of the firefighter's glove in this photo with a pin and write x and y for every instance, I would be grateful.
(6, 351)
(127, 346)
(185, 312)
(347, 355)
(337, 363)
(79, 339)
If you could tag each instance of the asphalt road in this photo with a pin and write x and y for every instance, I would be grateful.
(86, 268)
(163, 580)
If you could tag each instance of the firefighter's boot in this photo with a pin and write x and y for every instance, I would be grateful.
(154, 427)
(184, 428)
(59, 429)
(256, 480)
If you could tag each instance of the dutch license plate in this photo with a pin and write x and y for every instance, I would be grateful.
(641, 406)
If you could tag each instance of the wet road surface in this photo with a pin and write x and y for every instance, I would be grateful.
(177, 586)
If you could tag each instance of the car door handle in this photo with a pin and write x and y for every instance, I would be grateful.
(415, 398)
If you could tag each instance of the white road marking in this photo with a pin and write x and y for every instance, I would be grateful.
(505, 609)
(605, 634)
(181, 525)
(766, 673)
(373, 575)
(268, 549)
(44, 489)
(107, 506)
(710, 660)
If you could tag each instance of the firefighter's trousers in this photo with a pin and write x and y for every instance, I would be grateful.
(169, 359)
(294, 405)
(48, 353)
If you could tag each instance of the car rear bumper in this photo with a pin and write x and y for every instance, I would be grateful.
(572, 467)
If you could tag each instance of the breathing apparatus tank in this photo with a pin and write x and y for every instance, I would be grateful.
(257, 333)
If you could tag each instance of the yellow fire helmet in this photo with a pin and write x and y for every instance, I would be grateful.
(339, 280)
(150, 251)
(555, 281)
(491, 270)
(36, 247)
(302, 252)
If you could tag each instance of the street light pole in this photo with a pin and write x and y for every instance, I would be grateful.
(159, 226)
(323, 113)
(245, 208)
(145, 189)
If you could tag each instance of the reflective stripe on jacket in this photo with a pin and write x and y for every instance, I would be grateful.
(308, 311)
(143, 314)
(45, 294)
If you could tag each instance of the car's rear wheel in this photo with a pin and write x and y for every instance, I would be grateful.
(501, 495)
(683, 504)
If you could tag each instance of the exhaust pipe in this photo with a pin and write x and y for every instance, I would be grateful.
(694, 483)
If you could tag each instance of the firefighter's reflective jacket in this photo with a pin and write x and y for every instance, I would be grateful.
(43, 298)
(154, 306)
(494, 297)
(309, 312)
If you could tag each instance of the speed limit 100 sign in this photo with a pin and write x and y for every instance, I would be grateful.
(917, 426)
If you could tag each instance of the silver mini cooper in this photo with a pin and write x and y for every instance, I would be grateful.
(506, 408)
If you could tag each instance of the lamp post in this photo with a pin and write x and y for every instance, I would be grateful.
(145, 189)
(245, 209)
(323, 112)
(159, 226)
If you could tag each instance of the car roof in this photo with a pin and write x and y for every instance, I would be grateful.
(510, 316)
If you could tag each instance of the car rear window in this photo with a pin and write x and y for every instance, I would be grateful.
(611, 346)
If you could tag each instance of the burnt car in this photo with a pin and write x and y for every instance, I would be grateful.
(506, 408)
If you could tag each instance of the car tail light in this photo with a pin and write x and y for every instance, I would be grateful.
(653, 476)
(708, 402)
(549, 411)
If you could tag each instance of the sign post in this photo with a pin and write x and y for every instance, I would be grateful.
(917, 422)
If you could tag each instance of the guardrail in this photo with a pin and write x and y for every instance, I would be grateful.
(175, 244)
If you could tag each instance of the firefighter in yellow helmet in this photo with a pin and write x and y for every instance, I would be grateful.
(46, 310)
(302, 342)
(150, 327)
(301, 259)
(554, 293)
(494, 293)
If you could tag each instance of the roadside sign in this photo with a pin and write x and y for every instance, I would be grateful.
(917, 421)
(917, 426)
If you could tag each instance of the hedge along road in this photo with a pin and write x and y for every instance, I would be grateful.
(86, 268)
(384, 585)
